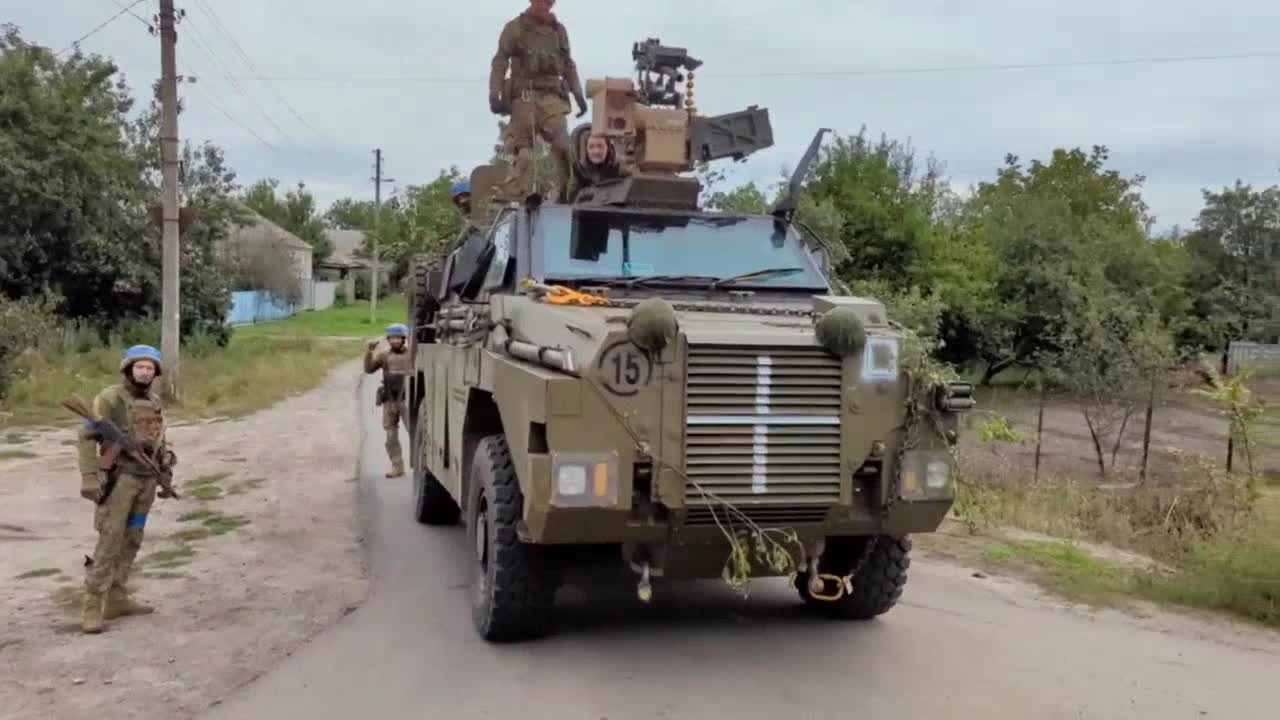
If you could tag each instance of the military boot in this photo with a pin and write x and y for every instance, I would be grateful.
(91, 617)
(119, 604)
(397, 469)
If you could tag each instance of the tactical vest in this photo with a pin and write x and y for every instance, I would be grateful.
(541, 58)
(142, 417)
(396, 366)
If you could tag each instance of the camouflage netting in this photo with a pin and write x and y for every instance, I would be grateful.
(652, 324)
(841, 332)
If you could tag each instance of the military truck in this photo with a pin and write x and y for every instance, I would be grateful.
(681, 392)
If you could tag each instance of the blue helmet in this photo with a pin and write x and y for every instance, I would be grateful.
(460, 188)
(397, 330)
(141, 352)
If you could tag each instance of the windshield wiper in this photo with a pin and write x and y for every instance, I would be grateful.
(630, 282)
(757, 275)
(712, 282)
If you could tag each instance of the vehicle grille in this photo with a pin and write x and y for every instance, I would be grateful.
(763, 433)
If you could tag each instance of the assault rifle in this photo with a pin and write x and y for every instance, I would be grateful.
(115, 442)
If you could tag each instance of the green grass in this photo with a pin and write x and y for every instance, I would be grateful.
(349, 321)
(169, 559)
(42, 572)
(207, 492)
(197, 515)
(16, 455)
(1237, 572)
(246, 486)
(250, 374)
(208, 479)
(1066, 570)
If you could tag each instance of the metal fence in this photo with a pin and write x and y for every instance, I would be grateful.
(255, 306)
(1263, 358)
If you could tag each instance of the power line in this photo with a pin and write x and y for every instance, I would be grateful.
(136, 16)
(204, 47)
(97, 29)
(213, 16)
(856, 72)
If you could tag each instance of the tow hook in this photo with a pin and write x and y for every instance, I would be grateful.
(818, 583)
(644, 590)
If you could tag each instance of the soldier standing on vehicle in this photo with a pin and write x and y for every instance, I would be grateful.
(122, 487)
(535, 46)
(395, 364)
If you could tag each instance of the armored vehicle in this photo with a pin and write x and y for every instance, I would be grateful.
(679, 391)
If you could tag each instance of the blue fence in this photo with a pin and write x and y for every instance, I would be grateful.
(250, 306)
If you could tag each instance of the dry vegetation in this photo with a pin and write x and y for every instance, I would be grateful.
(1213, 537)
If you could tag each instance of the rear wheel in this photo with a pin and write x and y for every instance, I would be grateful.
(513, 583)
(877, 585)
(432, 504)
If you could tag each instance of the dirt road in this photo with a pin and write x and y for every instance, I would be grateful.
(958, 647)
(261, 553)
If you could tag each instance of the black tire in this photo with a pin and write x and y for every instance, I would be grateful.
(878, 585)
(513, 584)
(432, 504)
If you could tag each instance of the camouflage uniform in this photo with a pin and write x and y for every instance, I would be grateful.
(543, 74)
(395, 366)
(130, 488)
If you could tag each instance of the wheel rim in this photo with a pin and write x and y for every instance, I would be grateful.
(482, 547)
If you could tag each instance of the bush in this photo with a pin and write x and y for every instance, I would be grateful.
(24, 326)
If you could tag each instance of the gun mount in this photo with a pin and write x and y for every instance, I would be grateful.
(656, 132)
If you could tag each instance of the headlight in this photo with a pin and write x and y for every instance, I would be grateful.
(584, 480)
(936, 475)
(571, 480)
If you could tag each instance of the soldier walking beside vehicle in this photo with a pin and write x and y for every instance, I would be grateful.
(123, 487)
(395, 364)
(535, 46)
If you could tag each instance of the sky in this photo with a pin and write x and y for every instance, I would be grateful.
(308, 93)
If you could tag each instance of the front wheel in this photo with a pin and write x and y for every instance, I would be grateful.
(877, 585)
(513, 583)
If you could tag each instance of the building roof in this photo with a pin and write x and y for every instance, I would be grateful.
(260, 228)
(345, 244)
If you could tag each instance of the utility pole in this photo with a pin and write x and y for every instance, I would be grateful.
(169, 327)
(378, 180)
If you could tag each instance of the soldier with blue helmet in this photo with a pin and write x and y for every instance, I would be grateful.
(122, 488)
(395, 364)
(461, 197)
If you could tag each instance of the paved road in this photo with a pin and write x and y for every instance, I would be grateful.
(958, 647)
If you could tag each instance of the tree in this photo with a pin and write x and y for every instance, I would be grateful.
(75, 185)
(1109, 347)
(296, 212)
(1055, 232)
(1233, 273)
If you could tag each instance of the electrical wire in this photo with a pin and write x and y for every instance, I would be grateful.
(213, 16)
(205, 48)
(855, 72)
(99, 28)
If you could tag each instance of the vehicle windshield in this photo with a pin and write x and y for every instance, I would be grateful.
(580, 243)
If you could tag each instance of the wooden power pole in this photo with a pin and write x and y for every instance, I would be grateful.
(169, 325)
(378, 180)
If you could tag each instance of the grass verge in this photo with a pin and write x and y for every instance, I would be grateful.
(347, 321)
(1217, 543)
(248, 375)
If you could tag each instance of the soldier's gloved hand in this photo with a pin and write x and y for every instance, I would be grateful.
(373, 344)
(495, 105)
(582, 105)
(91, 487)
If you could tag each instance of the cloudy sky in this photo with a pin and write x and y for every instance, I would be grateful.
(307, 94)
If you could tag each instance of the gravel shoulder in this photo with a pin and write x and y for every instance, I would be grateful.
(263, 551)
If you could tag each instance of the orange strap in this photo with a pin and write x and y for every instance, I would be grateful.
(561, 295)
